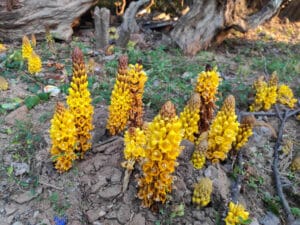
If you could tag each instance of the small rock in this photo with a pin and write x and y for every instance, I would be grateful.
(110, 192)
(18, 114)
(20, 168)
(17, 223)
(102, 182)
(35, 214)
(97, 223)
(101, 213)
(26, 196)
(198, 215)
(270, 219)
(92, 215)
(123, 214)
(10, 209)
(138, 219)
(111, 215)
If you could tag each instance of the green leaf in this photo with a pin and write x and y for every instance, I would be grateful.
(31, 101)
(295, 211)
(10, 170)
(43, 96)
(34, 88)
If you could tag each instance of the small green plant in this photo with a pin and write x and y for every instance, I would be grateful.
(272, 203)
(295, 211)
(60, 205)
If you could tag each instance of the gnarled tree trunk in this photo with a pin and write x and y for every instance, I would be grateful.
(209, 18)
(32, 16)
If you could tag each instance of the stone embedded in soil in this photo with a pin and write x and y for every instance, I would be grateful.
(123, 214)
(10, 209)
(101, 182)
(18, 114)
(199, 215)
(269, 219)
(138, 219)
(20, 168)
(254, 221)
(92, 215)
(179, 190)
(26, 196)
(110, 192)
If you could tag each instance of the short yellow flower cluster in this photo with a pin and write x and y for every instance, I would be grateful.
(163, 135)
(286, 96)
(190, 117)
(207, 85)
(295, 166)
(135, 141)
(63, 137)
(236, 214)
(34, 61)
(202, 192)
(244, 132)
(223, 131)
(201, 146)
(79, 102)
(137, 82)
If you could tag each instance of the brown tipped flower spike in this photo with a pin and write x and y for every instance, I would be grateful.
(79, 102)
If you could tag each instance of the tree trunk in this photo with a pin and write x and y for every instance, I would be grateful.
(32, 16)
(291, 10)
(209, 18)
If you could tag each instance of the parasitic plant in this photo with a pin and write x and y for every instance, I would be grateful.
(120, 101)
(202, 192)
(286, 96)
(34, 63)
(244, 132)
(190, 117)
(236, 214)
(223, 131)
(163, 136)
(26, 47)
(79, 102)
(63, 137)
(207, 86)
(201, 146)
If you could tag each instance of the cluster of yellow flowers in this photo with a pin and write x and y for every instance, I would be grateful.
(286, 96)
(202, 192)
(120, 100)
(236, 214)
(34, 61)
(268, 94)
(138, 79)
(207, 86)
(201, 146)
(190, 117)
(223, 131)
(79, 102)
(163, 136)
(244, 132)
(295, 165)
(63, 136)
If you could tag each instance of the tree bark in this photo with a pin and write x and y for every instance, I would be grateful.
(101, 18)
(209, 18)
(32, 16)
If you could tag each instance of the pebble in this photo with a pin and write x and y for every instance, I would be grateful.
(20, 168)
(110, 192)
(138, 219)
(26, 196)
(18, 114)
(123, 214)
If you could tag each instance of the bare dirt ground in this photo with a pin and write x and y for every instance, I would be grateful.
(32, 192)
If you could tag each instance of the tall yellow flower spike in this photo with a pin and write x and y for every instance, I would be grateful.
(163, 137)
(63, 137)
(207, 86)
(244, 132)
(266, 94)
(202, 192)
(34, 63)
(201, 146)
(120, 100)
(26, 48)
(190, 117)
(236, 214)
(138, 79)
(79, 102)
(223, 131)
(286, 96)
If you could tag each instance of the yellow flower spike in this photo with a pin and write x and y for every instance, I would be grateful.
(190, 117)
(201, 146)
(244, 132)
(223, 131)
(79, 102)
(207, 86)
(286, 96)
(34, 63)
(137, 82)
(26, 48)
(163, 137)
(135, 141)
(120, 100)
(63, 138)
(202, 192)
(236, 214)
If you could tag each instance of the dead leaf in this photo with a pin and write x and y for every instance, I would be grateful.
(3, 84)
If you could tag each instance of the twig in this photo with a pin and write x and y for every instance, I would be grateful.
(50, 185)
(285, 204)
